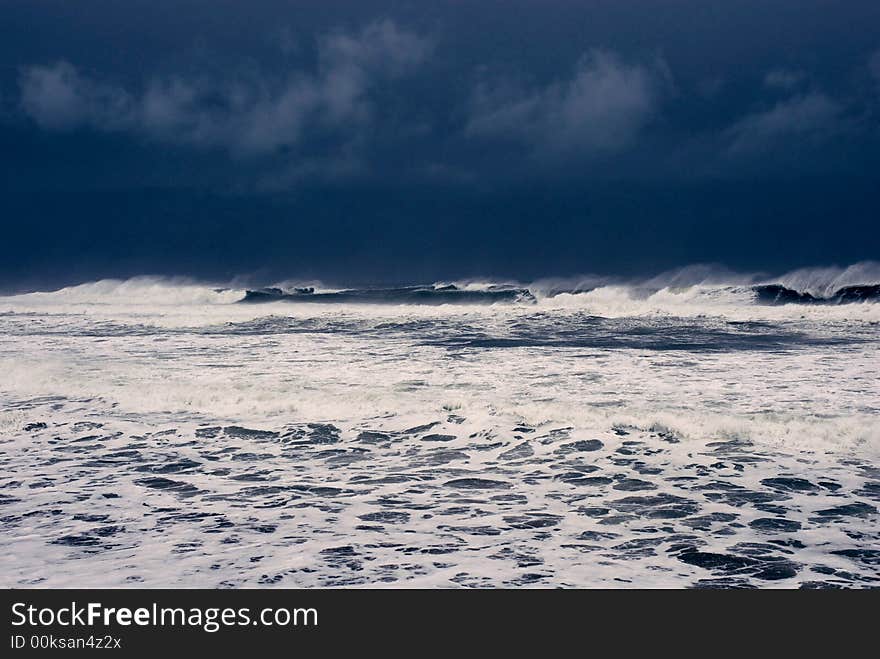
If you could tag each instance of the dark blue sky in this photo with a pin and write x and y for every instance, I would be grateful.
(391, 141)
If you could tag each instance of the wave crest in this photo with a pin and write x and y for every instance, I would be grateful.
(700, 288)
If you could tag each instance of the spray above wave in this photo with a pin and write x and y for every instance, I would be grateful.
(691, 290)
(139, 291)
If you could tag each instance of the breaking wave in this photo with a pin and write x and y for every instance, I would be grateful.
(700, 284)
(689, 290)
(434, 294)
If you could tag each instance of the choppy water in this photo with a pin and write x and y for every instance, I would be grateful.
(164, 434)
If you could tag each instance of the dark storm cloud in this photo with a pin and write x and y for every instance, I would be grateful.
(57, 98)
(601, 107)
(390, 139)
(246, 114)
(379, 95)
(810, 117)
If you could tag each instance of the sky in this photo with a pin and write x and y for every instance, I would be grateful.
(379, 142)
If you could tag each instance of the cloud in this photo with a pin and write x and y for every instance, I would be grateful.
(601, 108)
(812, 116)
(783, 79)
(245, 114)
(379, 46)
(58, 98)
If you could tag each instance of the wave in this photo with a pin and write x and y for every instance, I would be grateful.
(434, 294)
(691, 290)
(779, 294)
(146, 290)
(692, 285)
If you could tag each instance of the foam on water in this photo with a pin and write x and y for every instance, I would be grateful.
(159, 432)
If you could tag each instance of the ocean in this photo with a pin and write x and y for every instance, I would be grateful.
(681, 431)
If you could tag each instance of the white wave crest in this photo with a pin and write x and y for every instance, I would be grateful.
(135, 291)
(823, 282)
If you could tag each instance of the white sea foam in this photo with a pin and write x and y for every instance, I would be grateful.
(318, 374)
(114, 388)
